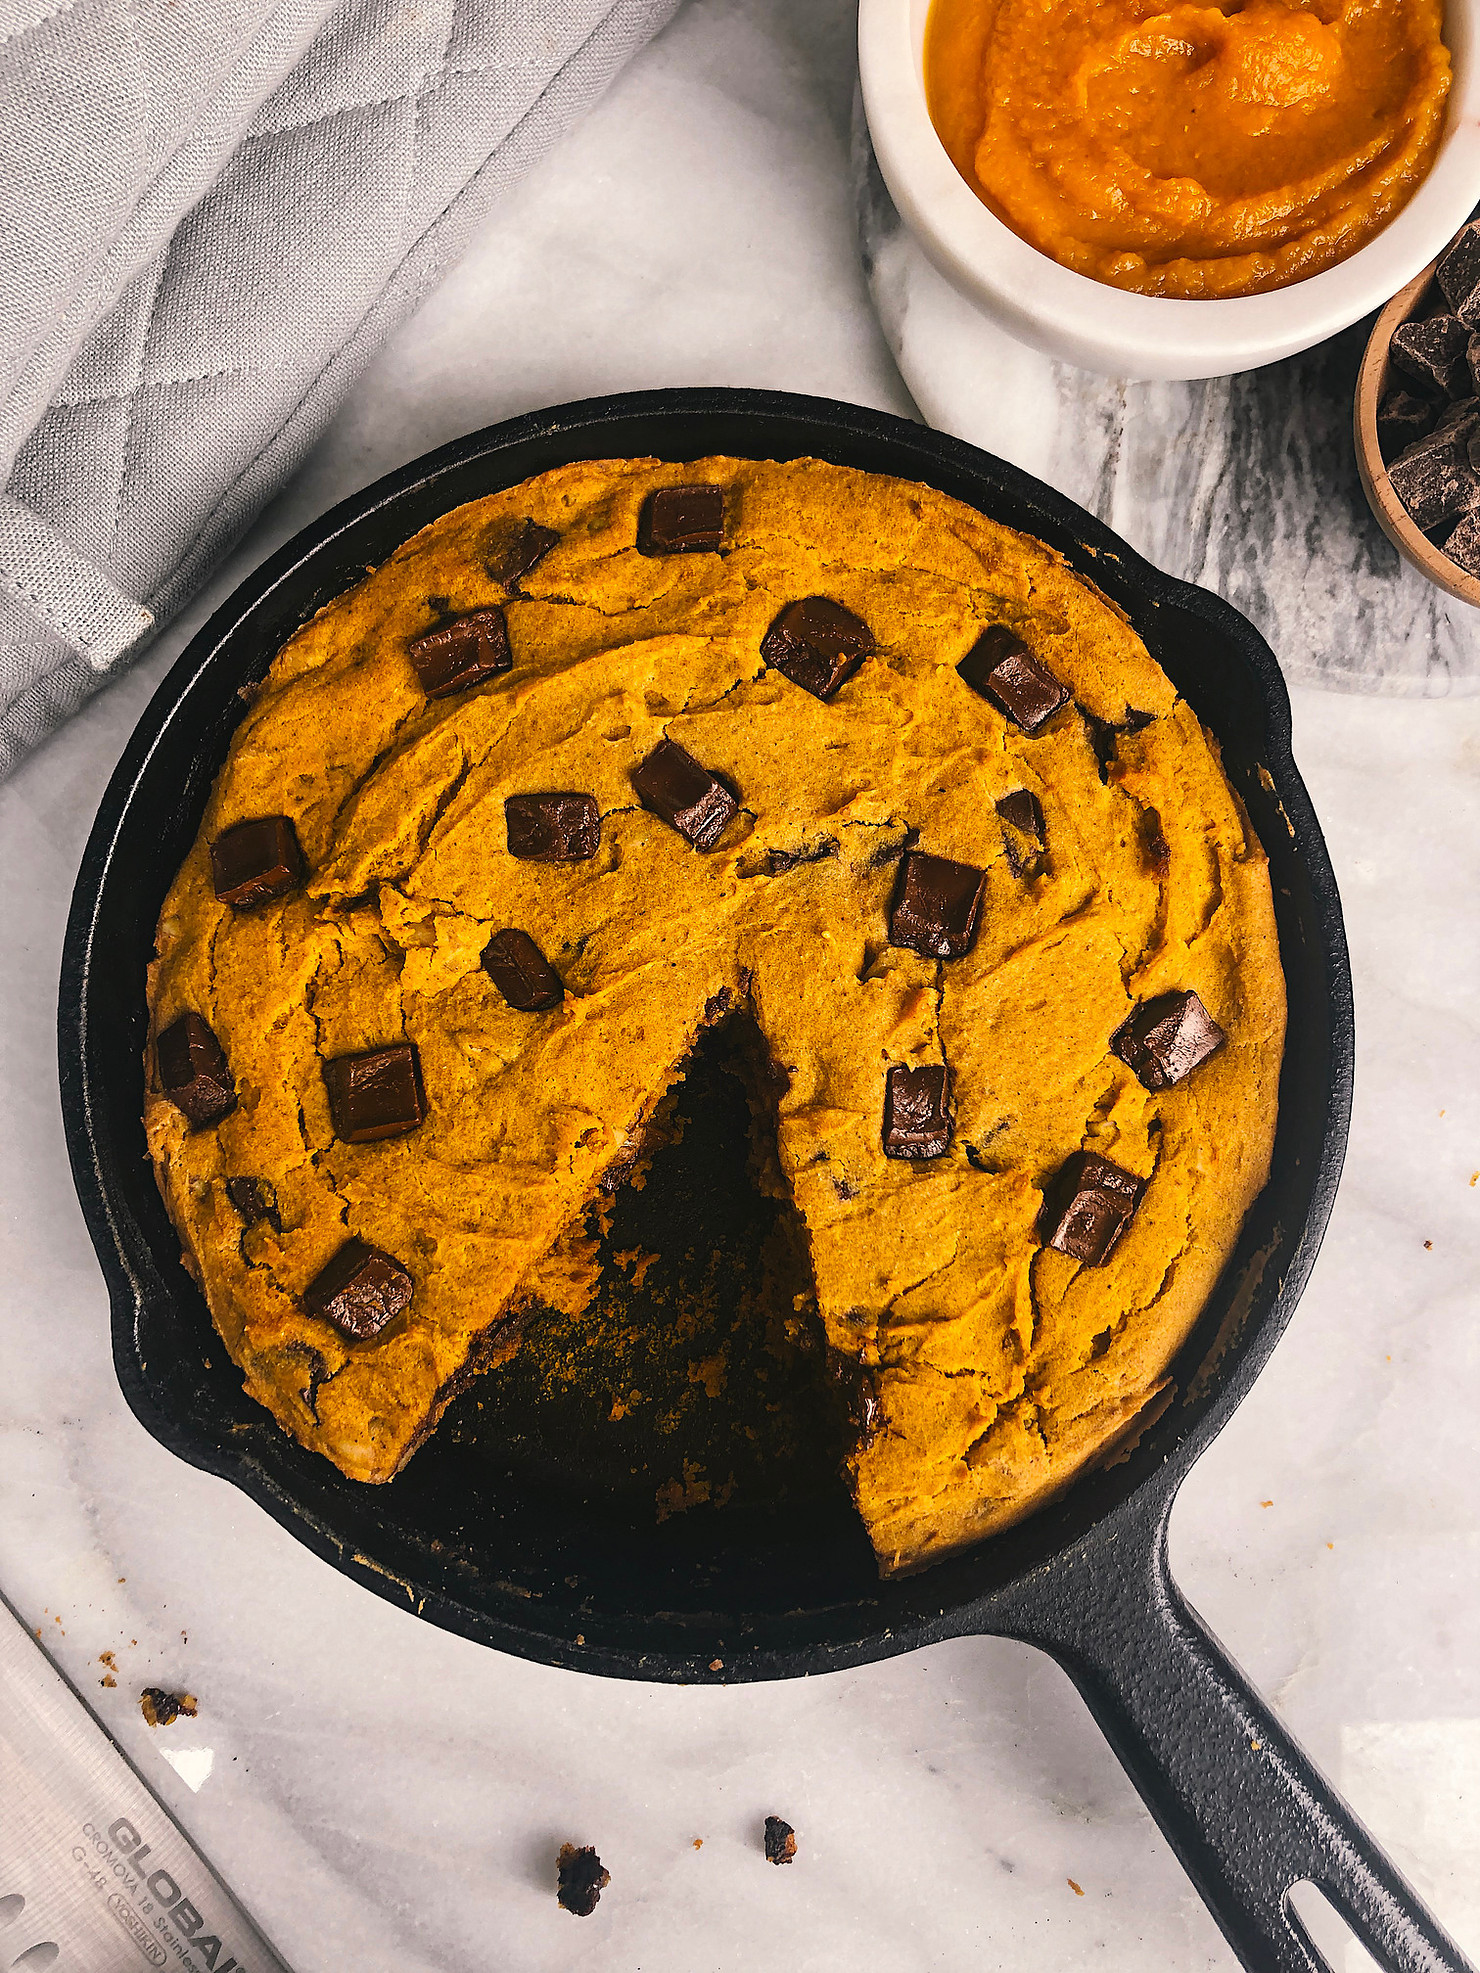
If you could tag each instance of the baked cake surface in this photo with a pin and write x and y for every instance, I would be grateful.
(942, 893)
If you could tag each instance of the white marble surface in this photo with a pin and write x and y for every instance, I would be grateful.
(1246, 484)
(385, 1796)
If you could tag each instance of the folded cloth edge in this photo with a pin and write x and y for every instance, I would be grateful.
(78, 602)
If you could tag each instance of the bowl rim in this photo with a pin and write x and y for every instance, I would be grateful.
(1374, 379)
(1070, 315)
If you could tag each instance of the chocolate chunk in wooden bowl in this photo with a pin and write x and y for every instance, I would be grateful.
(360, 1291)
(254, 861)
(1088, 1207)
(458, 655)
(521, 972)
(1434, 479)
(558, 828)
(518, 552)
(917, 1114)
(1167, 1038)
(817, 644)
(1463, 546)
(193, 1071)
(684, 794)
(1024, 835)
(377, 1093)
(1001, 668)
(1458, 275)
(682, 520)
(937, 905)
(1431, 353)
(1403, 418)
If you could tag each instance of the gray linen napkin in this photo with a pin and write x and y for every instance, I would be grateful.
(211, 212)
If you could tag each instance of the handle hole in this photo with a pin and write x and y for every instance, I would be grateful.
(1326, 1935)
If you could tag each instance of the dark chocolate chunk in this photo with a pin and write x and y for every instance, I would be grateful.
(781, 1840)
(581, 1879)
(519, 553)
(1463, 545)
(376, 1094)
(255, 861)
(682, 520)
(462, 653)
(193, 1071)
(255, 1199)
(521, 972)
(673, 785)
(561, 828)
(1023, 832)
(1432, 354)
(1458, 275)
(1434, 480)
(360, 1291)
(817, 644)
(1089, 1206)
(936, 905)
(1000, 666)
(1167, 1038)
(917, 1112)
(1402, 418)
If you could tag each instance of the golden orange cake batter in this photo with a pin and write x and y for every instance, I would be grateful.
(1108, 865)
(1190, 150)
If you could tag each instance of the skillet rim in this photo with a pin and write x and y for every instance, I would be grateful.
(614, 1645)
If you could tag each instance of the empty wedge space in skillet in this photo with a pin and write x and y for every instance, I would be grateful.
(852, 757)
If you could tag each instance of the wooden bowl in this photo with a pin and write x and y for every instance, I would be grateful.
(1374, 380)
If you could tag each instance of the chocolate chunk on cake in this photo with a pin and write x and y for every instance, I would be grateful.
(688, 797)
(360, 1290)
(1002, 668)
(466, 652)
(256, 861)
(192, 1071)
(682, 520)
(817, 644)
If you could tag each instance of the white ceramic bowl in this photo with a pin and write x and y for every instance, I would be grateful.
(1143, 336)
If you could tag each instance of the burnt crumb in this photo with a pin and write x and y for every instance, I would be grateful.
(164, 1708)
(891, 852)
(845, 1189)
(782, 860)
(581, 1879)
(781, 1840)
(252, 691)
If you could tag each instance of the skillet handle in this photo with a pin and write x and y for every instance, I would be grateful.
(1240, 1804)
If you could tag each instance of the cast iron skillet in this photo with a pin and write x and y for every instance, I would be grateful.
(530, 1547)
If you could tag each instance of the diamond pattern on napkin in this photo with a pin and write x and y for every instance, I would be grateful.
(345, 193)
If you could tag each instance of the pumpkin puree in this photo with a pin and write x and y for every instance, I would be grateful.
(1191, 151)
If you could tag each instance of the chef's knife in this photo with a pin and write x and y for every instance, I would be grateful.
(95, 1874)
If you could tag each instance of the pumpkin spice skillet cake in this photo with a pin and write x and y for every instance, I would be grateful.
(588, 765)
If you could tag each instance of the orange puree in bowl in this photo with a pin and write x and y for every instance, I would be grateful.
(1190, 150)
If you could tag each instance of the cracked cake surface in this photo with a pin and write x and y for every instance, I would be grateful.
(977, 1005)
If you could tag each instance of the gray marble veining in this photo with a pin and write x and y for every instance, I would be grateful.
(1245, 484)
